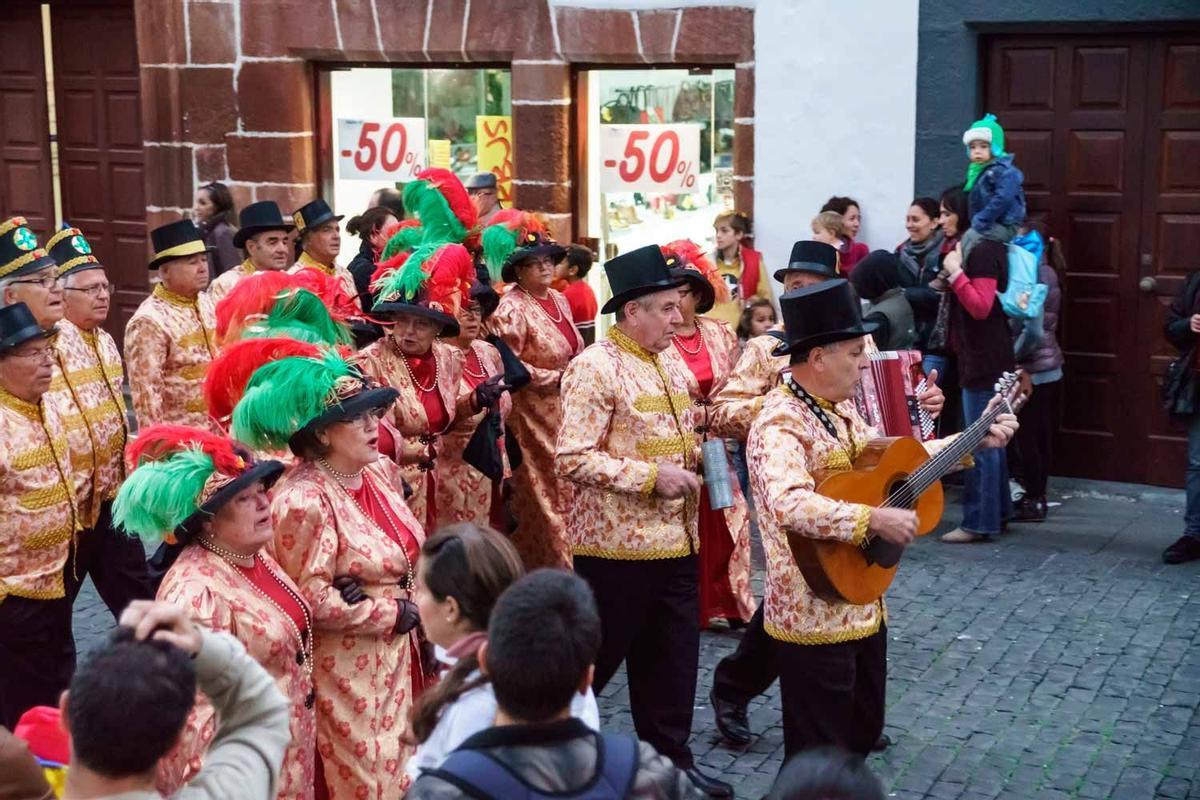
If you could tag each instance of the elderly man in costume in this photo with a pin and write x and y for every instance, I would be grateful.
(37, 504)
(265, 237)
(831, 654)
(86, 391)
(170, 340)
(750, 670)
(320, 239)
(628, 446)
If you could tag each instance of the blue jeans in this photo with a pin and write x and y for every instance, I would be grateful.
(986, 501)
(932, 361)
(1191, 517)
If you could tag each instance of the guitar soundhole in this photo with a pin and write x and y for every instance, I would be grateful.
(899, 495)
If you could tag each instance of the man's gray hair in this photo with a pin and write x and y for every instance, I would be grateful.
(4, 284)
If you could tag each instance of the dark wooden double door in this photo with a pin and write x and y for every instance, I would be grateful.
(97, 108)
(1107, 132)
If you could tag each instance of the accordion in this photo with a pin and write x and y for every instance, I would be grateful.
(887, 394)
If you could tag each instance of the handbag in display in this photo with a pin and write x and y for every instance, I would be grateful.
(887, 394)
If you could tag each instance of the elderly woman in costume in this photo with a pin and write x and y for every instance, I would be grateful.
(535, 321)
(204, 492)
(345, 535)
(420, 299)
(464, 493)
(707, 350)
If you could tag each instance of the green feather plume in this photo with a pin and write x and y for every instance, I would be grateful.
(304, 311)
(159, 495)
(438, 223)
(404, 283)
(404, 239)
(284, 396)
(497, 242)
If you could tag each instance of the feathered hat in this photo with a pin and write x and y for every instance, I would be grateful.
(509, 229)
(227, 376)
(441, 203)
(181, 476)
(295, 394)
(296, 305)
(687, 261)
(430, 282)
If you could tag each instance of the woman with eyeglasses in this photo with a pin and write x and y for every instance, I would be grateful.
(535, 321)
(345, 535)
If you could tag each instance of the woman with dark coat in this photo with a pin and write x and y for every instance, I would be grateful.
(877, 281)
(213, 214)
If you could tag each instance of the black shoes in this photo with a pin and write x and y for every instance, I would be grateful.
(731, 720)
(882, 743)
(1029, 509)
(709, 786)
(1186, 548)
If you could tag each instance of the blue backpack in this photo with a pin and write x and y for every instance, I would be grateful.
(483, 777)
(1024, 296)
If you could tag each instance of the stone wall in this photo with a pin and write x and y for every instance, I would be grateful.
(230, 89)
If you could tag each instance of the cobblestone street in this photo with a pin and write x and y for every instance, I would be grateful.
(1061, 662)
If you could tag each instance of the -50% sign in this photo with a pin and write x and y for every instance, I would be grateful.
(649, 158)
(387, 149)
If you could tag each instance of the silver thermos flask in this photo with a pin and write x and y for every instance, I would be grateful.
(716, 474)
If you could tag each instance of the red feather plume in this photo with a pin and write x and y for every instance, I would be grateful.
(691, 255)
(383, 267)
(455, 193)
(451, 272)
(229, 373)
(329, 289)
(161, 441)
(249, 300)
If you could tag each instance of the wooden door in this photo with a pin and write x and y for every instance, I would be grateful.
(1104, 128)
(25, 180)
(100, 141)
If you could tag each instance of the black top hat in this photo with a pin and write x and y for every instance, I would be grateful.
(481, 180)
(636, 273)
(313, 214)
(71, 252)
(19, 251)
(821, 314)
(18, 326)
(533, 246)
(368, 398)
(176, 240)
(815, 257)
(258, 217)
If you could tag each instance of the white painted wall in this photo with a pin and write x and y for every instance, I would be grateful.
(835, 114)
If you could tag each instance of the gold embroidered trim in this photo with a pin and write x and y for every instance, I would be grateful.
(666, 446)
(308, 261)
(193, 371)
(196, 404)
(56, 591)
(21, 261)
(15, 222)
(623, 341)
(50, 537)
(168, 296)
(821, 637)
(106, 410)
(193, 339)
(652, 481)
(661, 403)
(38, 499)
(861, 524)
(71, 263)
(623, 554)
(31, 411)
(247, 267)
(32, 459)
(81, 377)
(837, 461)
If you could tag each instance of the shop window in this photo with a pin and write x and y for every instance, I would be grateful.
(662, 182)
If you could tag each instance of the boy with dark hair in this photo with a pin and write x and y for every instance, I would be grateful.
(543, 638)
(128, 703)
(570, 275)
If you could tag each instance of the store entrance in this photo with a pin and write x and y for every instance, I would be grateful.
(655, 159)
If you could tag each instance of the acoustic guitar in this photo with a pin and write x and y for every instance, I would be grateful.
(894, 472)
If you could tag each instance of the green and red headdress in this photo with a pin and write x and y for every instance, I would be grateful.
(306, 305)
(686, 260)
(181, 476)
(227, 376)
(295, 394)
(442, 204)
(430, 282)
(509, 229)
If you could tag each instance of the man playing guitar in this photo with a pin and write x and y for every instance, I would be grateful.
(830, 655)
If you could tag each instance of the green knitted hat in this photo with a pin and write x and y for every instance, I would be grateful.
(986, 130)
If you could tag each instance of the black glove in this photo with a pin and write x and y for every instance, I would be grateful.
(488, 392)
(408, 616)
(351, 590)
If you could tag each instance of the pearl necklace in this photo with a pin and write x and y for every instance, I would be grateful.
(412, 375)
(699, 342)
(303, 637)
(392, 520)
(546, 311)
(482, 369)
(341, 476)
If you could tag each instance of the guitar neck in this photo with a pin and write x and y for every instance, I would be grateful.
(948, 457)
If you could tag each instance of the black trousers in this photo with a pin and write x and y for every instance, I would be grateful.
(115, 560)
(1035, 438)
(37, 654)
(649, 612)
(833, 694)
(750, 669)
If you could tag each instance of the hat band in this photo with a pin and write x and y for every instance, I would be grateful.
(17, 263)
(67, 266)
(808, 265)
(186, 249)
